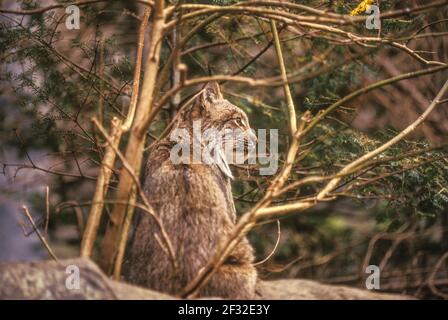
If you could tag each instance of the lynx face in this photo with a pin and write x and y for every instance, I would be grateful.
(225, 133)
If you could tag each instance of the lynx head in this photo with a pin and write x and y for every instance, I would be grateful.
(225, 133)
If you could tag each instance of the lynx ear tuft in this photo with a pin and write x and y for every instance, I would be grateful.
(211, 93)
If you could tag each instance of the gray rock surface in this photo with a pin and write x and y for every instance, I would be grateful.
(48, 279)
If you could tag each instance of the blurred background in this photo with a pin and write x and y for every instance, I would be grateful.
(50, 84)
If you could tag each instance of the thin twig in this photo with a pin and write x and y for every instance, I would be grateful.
(39, 234)
(47, 209)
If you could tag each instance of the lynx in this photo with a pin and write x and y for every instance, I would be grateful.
(194, 202)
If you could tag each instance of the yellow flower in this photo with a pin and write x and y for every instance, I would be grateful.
(361, 7)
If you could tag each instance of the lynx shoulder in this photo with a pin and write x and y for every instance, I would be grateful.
(195, 205)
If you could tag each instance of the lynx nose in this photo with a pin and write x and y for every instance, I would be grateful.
(251, 136)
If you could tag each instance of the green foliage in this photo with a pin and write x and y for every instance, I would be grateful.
(53, 101)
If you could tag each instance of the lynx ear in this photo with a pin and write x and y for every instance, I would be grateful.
(210, 94)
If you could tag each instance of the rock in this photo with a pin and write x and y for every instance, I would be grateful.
(52, 280)
(298, 289)
(47, 280)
